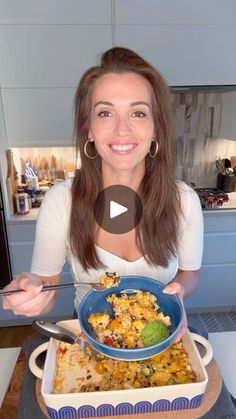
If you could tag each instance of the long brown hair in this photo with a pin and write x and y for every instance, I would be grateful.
(156, 235)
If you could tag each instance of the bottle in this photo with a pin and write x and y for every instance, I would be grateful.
(31, 192)
(35, 182)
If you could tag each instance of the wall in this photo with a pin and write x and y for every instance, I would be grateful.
(202, 118)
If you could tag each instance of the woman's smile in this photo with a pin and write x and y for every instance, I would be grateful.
(122, 148)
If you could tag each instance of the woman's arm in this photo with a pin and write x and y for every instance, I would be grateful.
(184, 283)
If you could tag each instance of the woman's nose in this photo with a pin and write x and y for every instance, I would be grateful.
(122, 126)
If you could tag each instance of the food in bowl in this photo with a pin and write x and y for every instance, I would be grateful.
(96, 302)
(77, 372)
(110, 279)
(137, 321)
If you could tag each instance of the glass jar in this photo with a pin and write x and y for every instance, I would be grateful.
(22, 203)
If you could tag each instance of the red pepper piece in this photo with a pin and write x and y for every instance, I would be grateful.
(109, 341)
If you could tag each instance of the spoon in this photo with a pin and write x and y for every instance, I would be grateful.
(97, 286)
(64, 335)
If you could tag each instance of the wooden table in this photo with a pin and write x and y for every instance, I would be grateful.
(10, 403)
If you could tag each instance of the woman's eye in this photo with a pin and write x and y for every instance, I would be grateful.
(139, 114)
(104, 114)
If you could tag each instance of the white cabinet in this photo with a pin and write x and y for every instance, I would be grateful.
(39, 117)
(21, 238)
(51, 55)
(55, 12)
(189, 42)
(170, 12)
(48, 45)
(44, 50)
(185, 54)
(218, 274)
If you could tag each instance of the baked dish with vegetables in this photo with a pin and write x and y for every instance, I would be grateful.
(137, 321)
(110, 279)
(77, 372)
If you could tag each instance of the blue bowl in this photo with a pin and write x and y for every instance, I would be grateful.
(95, 302)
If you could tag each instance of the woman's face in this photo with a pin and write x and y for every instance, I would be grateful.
(121, 122)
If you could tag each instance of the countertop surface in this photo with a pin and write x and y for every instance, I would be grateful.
(33, 214)
(231, 204)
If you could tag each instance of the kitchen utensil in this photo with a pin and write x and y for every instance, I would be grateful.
(60, 333)
(93, 303)
(96, 286)
(220, 166)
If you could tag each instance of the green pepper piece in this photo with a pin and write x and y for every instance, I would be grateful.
(170, 381)
(147, 370)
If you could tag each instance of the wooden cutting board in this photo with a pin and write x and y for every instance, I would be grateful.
(12, 180)
(233, 161)
(233, 164)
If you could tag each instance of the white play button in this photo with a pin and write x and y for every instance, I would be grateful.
(116, 209)
(117, 217)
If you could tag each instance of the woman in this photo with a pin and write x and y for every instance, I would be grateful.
(124, 134)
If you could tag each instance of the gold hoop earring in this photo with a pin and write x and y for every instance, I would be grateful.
(155, 152)
(86, 152)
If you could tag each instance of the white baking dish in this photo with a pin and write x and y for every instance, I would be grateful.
(121, 402)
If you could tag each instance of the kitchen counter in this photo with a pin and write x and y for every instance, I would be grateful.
(230, 205)
(232, 201)
(33, 214)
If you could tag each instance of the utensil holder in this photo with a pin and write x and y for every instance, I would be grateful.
(225, 182)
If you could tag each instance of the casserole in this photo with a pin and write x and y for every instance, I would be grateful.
(130, 285)
(121, 402)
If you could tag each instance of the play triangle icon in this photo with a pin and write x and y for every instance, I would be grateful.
(116, 209)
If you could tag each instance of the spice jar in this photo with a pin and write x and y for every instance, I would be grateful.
(22, 203)
(31, 192)
(38, 198)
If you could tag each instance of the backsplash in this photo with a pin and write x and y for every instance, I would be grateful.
(202, 118)
(199, 117)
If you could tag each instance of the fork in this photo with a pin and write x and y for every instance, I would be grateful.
(94, 285)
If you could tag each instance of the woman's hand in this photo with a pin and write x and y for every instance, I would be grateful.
(31, 301)
(178, 289)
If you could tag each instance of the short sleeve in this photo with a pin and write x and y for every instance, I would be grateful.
(190, 242)
(50, 246)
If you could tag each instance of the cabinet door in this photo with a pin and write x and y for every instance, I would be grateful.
(172, 12)
(38, 117)
(218, 272)
(216, 290)
(185, 54)
(55, 12)
(21, 255)
(49, 55)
